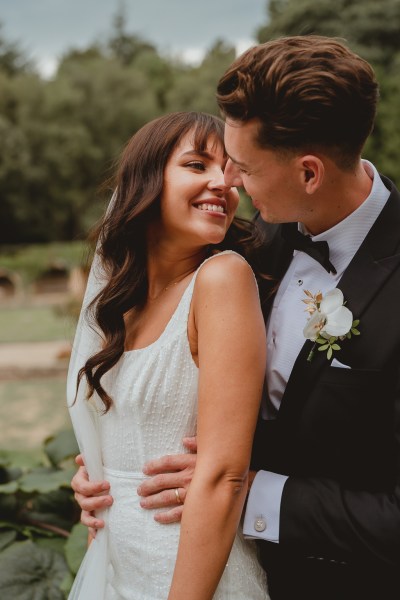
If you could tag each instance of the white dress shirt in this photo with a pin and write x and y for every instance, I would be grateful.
(285, 337)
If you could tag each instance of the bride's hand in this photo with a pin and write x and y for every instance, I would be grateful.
(91, 496)
(170, 477)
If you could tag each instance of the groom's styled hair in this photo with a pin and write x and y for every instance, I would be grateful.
(310, 93)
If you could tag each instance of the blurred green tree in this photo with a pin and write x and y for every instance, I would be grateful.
(13, 59)
(194, 87)
(61, 137)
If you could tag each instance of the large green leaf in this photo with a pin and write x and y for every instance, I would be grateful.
(66, 584)
(6, 538)
(8, 488)
(8, 506)
(54, 543)
(76, 547)
(55, 508)
(4, 458)
(61, 446)
(14, 473)
(28, 572)
(19, 458)
(45, 479)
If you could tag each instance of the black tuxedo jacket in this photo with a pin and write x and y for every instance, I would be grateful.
(337, 436)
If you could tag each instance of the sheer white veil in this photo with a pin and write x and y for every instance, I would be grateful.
(90, 581)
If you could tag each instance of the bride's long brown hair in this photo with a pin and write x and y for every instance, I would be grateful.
(122, 233)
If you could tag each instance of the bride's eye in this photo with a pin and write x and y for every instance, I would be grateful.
(195, 164)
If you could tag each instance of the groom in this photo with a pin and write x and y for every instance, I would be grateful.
(325, 499)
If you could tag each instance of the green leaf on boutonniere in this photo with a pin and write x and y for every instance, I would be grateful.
(354, 330)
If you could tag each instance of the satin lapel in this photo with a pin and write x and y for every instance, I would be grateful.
(375, 261)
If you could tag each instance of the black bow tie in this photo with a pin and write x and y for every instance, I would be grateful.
(319, 251)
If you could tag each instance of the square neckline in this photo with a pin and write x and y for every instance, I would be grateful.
(175, 313)
(169, 322)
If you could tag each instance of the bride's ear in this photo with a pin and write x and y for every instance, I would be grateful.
(311, 172)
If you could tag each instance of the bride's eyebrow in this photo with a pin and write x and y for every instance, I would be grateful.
(196, 153)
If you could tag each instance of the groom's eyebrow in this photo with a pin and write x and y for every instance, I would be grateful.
(238, 162)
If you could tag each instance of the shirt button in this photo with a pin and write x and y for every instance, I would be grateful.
(260, 525)
(299, 282)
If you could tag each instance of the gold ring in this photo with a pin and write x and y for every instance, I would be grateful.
(178, 498)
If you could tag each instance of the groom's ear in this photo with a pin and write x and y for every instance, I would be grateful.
(311, 170)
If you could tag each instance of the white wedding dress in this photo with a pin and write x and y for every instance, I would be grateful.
(154, 390)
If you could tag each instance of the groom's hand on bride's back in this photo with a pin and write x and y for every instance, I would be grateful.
(91, 496)
(168, 483)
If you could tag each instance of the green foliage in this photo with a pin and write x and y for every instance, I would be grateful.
(371, 29)
(12, 58)
(61, 138)
(41, 544)
(194, 87)
(33, 260)
(28, 571)
(75, 547)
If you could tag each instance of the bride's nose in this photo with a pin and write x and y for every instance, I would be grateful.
(217, 182)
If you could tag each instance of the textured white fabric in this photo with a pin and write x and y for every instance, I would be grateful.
(90, 580)
(154, 390)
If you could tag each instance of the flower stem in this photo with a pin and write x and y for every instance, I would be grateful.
(312, 353)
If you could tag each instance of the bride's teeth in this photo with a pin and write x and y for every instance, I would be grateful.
(211, 207)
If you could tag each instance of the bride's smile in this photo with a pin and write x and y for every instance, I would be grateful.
(196, 204)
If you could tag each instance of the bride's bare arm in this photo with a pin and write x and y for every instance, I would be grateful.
(231, 349)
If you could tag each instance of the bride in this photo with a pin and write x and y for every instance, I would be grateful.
(170, 343)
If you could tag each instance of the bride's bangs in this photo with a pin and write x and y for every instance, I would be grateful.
(208, 129)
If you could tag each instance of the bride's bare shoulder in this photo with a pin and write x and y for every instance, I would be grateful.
(224, 273)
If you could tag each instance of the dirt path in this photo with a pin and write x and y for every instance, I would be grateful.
(33, 359)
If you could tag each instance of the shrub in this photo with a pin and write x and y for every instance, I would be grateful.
(41, 540)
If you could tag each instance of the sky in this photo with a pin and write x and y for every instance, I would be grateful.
(46, 29)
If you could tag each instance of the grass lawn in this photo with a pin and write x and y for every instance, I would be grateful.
(34, 324)
(30, 411)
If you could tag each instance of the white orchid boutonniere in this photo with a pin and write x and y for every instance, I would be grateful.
(329, 321)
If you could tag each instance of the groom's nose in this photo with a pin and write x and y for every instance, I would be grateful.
(232, 175)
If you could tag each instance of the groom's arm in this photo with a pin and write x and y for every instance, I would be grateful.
(321, 517)
(165, 475)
